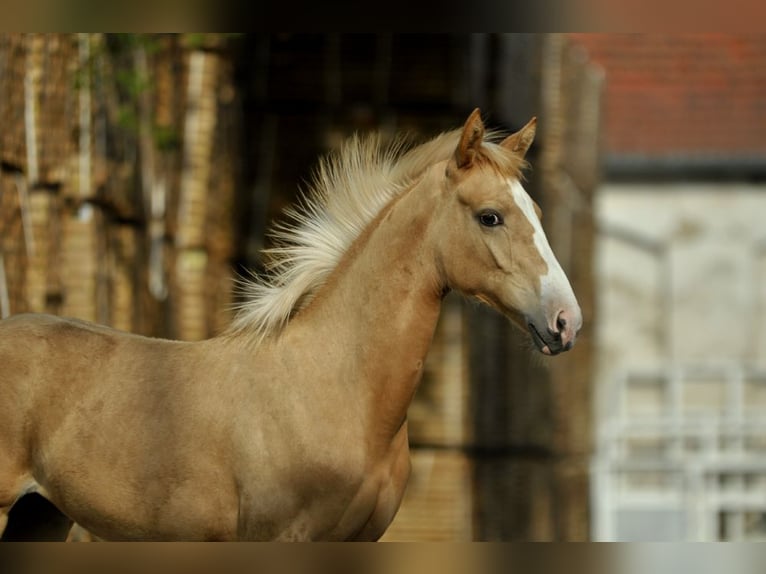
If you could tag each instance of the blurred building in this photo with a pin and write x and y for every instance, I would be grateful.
(681, 288)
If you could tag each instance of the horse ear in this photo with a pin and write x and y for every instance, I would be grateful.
(470, 140)
(520, 141)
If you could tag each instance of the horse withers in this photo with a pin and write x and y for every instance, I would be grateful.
(292, 425)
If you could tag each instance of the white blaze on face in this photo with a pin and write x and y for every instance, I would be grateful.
(555, 290)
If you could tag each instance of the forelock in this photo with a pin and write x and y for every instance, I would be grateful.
(503, 161)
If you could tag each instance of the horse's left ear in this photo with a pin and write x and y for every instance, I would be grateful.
(470, 140)
(520, 141)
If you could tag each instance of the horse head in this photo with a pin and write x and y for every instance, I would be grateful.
(492, 245)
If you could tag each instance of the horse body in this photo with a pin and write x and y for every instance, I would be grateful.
(300, 434)
(151, 450)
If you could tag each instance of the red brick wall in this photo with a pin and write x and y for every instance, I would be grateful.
(688, 94)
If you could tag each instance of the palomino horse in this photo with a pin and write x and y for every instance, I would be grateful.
(292, 425)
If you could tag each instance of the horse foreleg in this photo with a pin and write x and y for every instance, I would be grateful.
(8, 496)
(78, 534)
(3, 520)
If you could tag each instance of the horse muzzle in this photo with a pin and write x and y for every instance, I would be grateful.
(558, 334)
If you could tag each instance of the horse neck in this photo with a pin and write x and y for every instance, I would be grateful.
(377, 313)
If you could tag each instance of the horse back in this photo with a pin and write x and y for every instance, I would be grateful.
(41, 357)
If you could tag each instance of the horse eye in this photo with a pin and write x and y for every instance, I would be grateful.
(490, 218)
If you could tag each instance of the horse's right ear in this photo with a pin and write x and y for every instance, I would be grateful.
(470, 140)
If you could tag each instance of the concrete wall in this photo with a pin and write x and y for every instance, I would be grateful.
(681, 273)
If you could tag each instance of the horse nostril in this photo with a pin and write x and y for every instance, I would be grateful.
(561, 322)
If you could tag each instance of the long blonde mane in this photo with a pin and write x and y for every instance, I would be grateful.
(349, 189)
